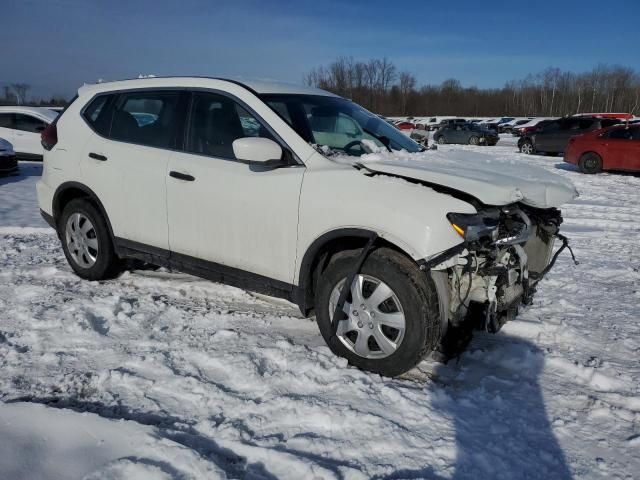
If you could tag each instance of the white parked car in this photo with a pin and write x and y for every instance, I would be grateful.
(8, 162)
(262, 186)
(22, 127)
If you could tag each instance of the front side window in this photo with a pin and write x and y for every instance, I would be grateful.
(147, 118)
(216, 121)
(27, 123)
(339, 124)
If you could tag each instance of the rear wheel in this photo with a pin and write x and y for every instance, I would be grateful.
(391, 318)
(527, 147)
(473, 140)
(590, 163)
(86, 241)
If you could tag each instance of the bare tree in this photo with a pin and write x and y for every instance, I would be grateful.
(20, 90)
(406, 84)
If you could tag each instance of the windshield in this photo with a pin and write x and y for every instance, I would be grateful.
(339, 124)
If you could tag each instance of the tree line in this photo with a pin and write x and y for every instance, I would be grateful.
(379, 86)
(18, 94)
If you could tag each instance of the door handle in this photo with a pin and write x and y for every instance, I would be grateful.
(182, 176)
(97, 156)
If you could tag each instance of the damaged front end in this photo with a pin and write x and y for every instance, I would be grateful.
(506, 252)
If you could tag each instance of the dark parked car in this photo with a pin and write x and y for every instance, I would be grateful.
(508, 127)
(465, 133)
(496, 123)
(553, 137)
(615, 148)
(8, 162)
(449, 121)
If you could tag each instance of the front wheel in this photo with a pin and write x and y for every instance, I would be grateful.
(441, 140)
(473, 140)
(391, 318)
(86, 241)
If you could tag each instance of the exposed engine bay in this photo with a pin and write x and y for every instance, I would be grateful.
(507, 251)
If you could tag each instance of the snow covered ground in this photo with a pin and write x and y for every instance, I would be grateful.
(162, 375)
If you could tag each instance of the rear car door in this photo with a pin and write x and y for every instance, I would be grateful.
(27, 134)
(226, 212)
(622, 149)
(6, 127)
(125, 163)
(545, 136)
(570, 128)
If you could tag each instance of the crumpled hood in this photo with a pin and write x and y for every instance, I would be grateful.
(493, 182)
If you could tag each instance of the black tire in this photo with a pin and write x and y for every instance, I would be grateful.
(527, 147)
(473, 140)
(107, 264)
(441, 140)
(416, 292)
(590, 163)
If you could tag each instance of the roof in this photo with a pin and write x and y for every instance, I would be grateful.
(258, 86)
(41, 112)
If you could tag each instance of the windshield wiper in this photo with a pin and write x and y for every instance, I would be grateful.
(381, 138)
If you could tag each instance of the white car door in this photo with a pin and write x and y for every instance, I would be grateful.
(226, 212)
(126, 164)
(6, 127)
(27, 134)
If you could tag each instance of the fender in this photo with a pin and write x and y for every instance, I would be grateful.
(303, 293)
(88, 192)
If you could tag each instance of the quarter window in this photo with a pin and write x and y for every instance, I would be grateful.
(27, 123)
(6, 120)
(147, 118)
(98, 114)
(216, 121)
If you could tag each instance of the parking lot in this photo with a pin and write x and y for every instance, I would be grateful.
(229, 382)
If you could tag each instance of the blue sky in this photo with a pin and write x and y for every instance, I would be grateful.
(56, 45)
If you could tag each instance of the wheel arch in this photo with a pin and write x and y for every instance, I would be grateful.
(68, 191)
(318, 254)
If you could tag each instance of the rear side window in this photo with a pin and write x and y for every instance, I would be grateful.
(98, 114)
(216, 121)
(27, 123)
(149, 118)
(6, 120)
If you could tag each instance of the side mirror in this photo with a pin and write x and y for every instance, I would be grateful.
(257, 150)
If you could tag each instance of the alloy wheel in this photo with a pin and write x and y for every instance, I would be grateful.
(527, 148)
(375, 323)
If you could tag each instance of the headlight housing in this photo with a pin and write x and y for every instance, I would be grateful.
(497, 226)
(476, 226)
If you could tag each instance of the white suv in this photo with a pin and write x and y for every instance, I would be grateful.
(262, 186)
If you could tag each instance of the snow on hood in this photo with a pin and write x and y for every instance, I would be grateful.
(492, 181)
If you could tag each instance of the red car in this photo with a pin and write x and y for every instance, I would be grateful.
(613, 148)
(405, 125)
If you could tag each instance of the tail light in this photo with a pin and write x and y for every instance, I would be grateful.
(49, 136)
